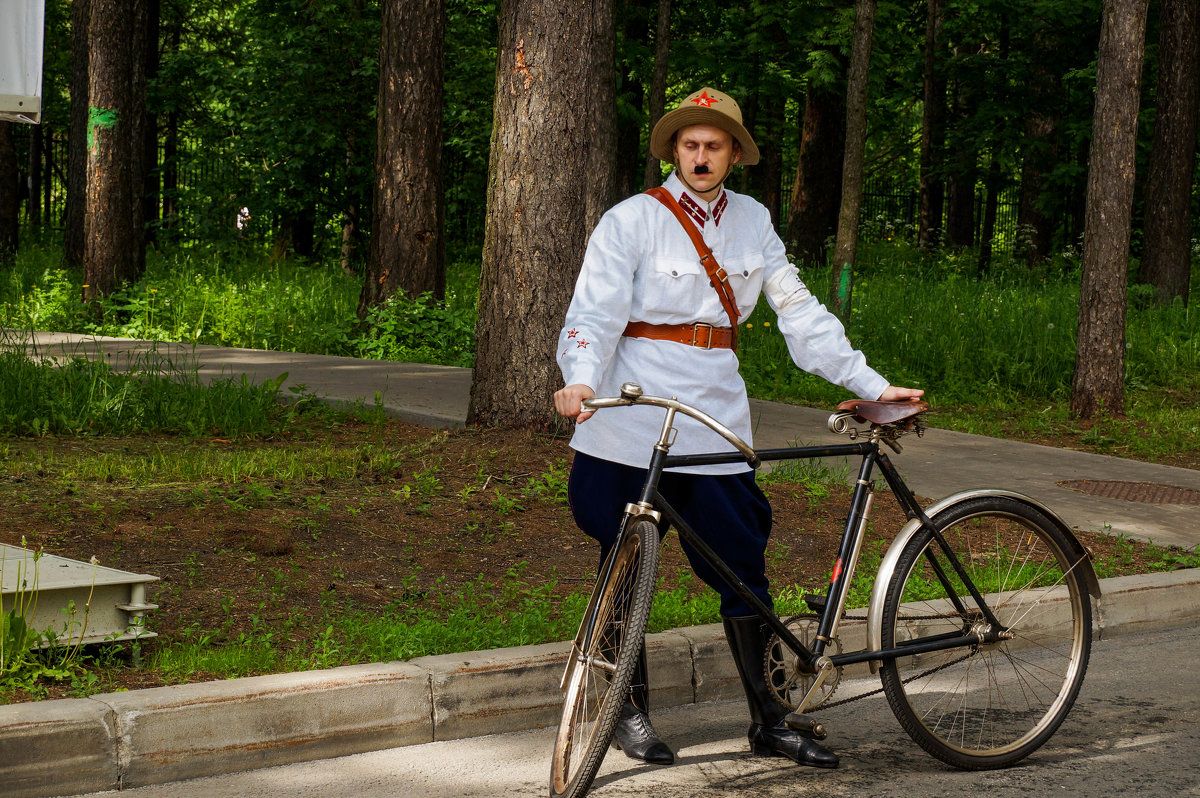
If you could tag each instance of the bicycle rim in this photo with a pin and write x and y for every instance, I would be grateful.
(598, 679)
(993, 704)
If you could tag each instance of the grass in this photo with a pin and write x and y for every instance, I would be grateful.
(995, 356)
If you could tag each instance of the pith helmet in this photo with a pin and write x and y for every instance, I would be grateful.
(704, 107)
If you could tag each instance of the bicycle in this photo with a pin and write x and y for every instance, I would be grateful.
(979, 621)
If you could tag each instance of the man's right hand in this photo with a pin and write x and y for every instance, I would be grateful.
(568, 402)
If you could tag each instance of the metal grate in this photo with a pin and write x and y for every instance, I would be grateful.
(1144, 492)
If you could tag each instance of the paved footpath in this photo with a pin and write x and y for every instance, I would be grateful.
(938, 464)
(172, 734)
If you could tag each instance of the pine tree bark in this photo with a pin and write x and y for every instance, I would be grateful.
(846, 250)
(110, 241)
(74, 222)
(36, 154)
(1039, 152)
(1167, 261)
(813, 209)
(1098, 384)
(961, 175)
(144, 133)
(933, 131)
(10, 203)
(658, 85)
(602, 149)
(536, 218)
(407, 249)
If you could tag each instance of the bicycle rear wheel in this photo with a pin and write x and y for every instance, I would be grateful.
(993, 704)
(603, 662)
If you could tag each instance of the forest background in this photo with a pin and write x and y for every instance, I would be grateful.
(438, 163)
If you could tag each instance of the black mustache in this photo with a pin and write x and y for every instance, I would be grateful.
(700, 170)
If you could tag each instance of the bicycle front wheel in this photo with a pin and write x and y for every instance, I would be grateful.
(604, 660)
(992, 704)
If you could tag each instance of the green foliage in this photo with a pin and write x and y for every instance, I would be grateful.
(970, 341)
(421, 330)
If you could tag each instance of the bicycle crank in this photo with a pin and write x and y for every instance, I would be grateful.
(782, 667)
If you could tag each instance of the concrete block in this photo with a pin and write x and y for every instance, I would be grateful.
(182, 732)
(1147, 602)
(57, 748)
(714, 674)
(494, 691)
(669, 661)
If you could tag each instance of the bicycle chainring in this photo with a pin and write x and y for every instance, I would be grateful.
(782, 667)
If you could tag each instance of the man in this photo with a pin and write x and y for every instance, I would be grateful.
(644, 310)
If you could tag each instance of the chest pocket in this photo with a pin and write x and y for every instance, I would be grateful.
(746, 279)
(678, 286)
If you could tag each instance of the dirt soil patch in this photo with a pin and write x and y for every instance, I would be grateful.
(416, 512)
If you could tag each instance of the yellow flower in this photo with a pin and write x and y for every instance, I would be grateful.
(748, 326)
(766, 324)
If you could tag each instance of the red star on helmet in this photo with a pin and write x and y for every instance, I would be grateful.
(705, 100)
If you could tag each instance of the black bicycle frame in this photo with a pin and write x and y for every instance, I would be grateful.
(871, 456)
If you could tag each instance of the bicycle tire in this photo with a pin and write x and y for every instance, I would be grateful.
(991, 705)
(598, 682)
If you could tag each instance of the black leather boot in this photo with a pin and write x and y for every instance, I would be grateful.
(635, 735)
(768, 734)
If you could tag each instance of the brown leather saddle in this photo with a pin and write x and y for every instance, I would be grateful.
(883, 412)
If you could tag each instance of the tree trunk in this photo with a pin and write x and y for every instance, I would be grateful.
(536, 217)
(74, 232)
(1167, 262)
(407, 250)
(768, 177)
(628, 164)
(933, 131)
(1039, 153)
(34, 208)
(602, 148)
(990, 208)
(961, 175)
(10, 202)
(813, 210)
(111, 239)
(846, 249)
(349, 206)
(658, 85)
(1100, 352)
(144, 133)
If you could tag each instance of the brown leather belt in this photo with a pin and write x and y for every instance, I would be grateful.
(702, 335)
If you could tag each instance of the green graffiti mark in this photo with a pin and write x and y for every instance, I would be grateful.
(844, 284)
(99, 117)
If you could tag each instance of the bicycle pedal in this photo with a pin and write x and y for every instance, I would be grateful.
(815, 603)
(805, 726)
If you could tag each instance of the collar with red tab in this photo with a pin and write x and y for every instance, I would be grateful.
(697, 213)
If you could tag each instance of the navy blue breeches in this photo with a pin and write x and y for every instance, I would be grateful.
(728, 512)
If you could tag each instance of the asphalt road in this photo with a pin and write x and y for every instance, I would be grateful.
(1134, 730)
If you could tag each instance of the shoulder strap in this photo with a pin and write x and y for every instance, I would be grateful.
(716, 275)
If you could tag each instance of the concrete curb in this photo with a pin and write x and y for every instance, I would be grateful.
(165, 734)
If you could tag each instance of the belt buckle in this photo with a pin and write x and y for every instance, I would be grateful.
(697, 326)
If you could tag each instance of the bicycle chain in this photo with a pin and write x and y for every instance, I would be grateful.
(824, 706)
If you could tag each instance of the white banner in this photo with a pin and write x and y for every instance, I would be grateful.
(22, 24)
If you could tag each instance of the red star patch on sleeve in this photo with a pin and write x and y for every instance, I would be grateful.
(572, 333)
(581, 345)
(705, 100)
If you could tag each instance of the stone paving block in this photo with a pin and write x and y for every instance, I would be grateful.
(1146, 602)
(181, 732)
(495, 691)
(669, 661)
(56, 748)
(715, 675)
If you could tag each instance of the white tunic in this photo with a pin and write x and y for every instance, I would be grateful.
(640, 265)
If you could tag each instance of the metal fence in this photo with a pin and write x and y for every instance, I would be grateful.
(888, 209)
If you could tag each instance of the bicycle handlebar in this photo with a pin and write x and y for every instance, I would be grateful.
(631, 394)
